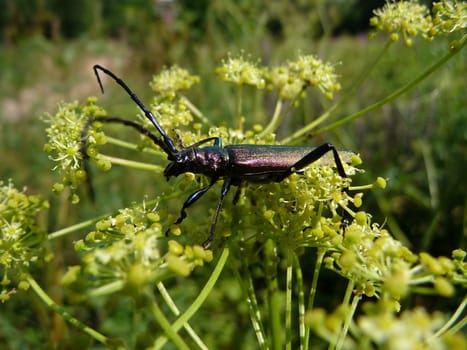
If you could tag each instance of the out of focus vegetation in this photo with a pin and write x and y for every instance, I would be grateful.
(47, 50)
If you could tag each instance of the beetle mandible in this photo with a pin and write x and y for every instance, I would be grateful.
(233, 164)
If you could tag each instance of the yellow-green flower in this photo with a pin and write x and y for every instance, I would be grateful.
(170, 81)
(20, 235)
(412, 329)
(130, 249)
(65, 141)
(403, 18)
(450, 16)
(294, 77)
(241, 71)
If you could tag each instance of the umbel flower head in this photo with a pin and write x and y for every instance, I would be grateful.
(450, 16)
(20, 235)
(241, 71)
(171, 81)
(289, 79)
(406, 18)
(411, 329)
(292, 78)
(386, 328)
(130, 250)
(65, 144)
(410, 19)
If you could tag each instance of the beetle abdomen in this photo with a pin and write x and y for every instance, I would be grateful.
(263, 162)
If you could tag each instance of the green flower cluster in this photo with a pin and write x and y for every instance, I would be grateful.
(173, 114)
(411, 329)
(242, 71)
(409, 19)
(442, 271)
(20, 236)
(304, 210)
(130, 250)
(379, 265)
(450, 16)
(290, 79)
(386, 328)
(171, 81)
(65, 142)
(171, 108)
(294, 77)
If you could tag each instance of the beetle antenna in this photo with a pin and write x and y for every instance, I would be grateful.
(170, 149)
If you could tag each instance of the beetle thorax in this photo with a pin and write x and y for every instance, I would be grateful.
(210, 161)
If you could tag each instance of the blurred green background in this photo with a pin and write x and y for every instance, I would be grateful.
(419, 142)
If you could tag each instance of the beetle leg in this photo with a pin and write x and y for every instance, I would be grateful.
(178, 139)
(225, 190)
(238, 192)
(192, 198)
(217, 142)
(313, 156)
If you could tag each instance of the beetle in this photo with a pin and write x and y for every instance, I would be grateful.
(234, 164)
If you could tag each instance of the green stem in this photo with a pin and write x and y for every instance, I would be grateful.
(132, 146)
(361, 188)
(173, 307)
(421, 280)
(65, 314)
(81, 225)
(73, 228)
(196, 112)
(323, 12)
(430, 232)
(239, 106)
(198, 302)
(314, 283)
(431, 174)
(365, 73)
(348, 292)
(307, 129)
(460, 326)
(392, 96)
(168, 329)
(350, 92)
(273, 294)
(350, 315)
(133, 164)
(244, 276)
(288, 303)
(255, 313)
(301, 300)
(346, 301)
(275, 120)
(279, 117)
(245, 280)
(391, 221)
(449, 325)
(107, 289)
